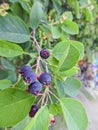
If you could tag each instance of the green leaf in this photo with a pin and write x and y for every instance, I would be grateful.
(61, 50)
(74, 114)
(40, 121)
(54, 109)
(57, 5)
(60, 88)
(69, 27)
(7, 65)
(66, 54)
(17, 9)
(77, 9)
(5, 83)
(55, 32)
(72, 86)
(67, 15)
(12, 76)
(53, 62)
(36, 15)
(8, 49)
(71, 59)
(88, 14)
(20, 84)
(69, 72)
(75, 5)
(25, 6)
(14, 106)
(13, 29)
(3, 74)
(21, 125)
(79, 46)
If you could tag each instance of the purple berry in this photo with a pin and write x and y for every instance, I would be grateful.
(24, 69)
(45, 78)
(33, 110)
(35, 88)
(44, 53)
(28, 75)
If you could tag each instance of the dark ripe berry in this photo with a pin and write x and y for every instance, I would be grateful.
(35, 88)
(33, 110)
(45, 78)
(28, 75)
(24, 69)
(44, 53)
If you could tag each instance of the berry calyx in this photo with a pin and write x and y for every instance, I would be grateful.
(44, 53)
(35, 88)
(27, 90)
(28, 75)
(45, 78)
(34, 109)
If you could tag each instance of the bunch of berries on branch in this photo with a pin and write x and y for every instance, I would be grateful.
(36, 81)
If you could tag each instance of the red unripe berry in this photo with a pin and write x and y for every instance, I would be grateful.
(52, 119)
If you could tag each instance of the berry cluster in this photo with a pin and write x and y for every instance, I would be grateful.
(36, 82)
(30, 77)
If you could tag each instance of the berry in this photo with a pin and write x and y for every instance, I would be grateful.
(24, 69)
(28, 75)
(33, 110)
(45, 78)
(35, 88)
(52, 119)
(44, 53)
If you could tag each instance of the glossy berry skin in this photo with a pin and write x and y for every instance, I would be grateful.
(35, 88)
(45, 78)
(33, 110)
(28, 75)
(44, 53)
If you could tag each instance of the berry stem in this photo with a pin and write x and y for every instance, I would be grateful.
(45, 64)
(39, 101)
(44, 95)
(38, 49)
(33, 65)
(54, 95)
(46, 99)
(38, 64)
(35, 41)
(50, 98)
